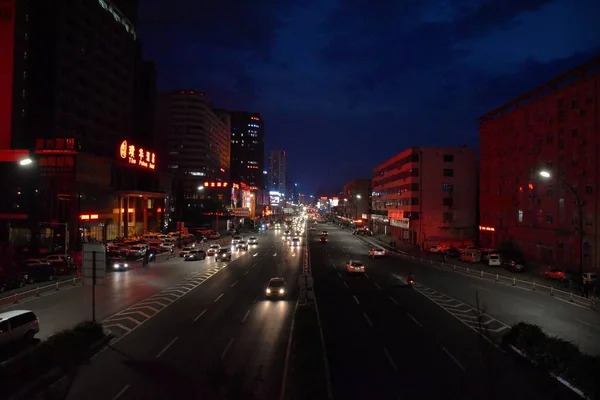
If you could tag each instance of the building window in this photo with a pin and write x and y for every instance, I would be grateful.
(549, 191)
(448, 172)
(448, 217)
(448, 187)
(561, 203)
(549, 218)
(589, 189)
(574, 221)
(448, 201)
(574, 103)
(448, 157)
(589, 221)
(520, 216)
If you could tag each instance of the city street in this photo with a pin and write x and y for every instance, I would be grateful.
(386, 340)
(221, 333)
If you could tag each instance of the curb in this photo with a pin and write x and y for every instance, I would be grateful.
(53, 376)
(560, 379)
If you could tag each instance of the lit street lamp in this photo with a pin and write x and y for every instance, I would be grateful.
(580, 204)
(25, 161)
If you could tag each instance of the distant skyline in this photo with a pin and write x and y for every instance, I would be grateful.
(364, 83)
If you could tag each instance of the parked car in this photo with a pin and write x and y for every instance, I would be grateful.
(452, 252)
(67, 259)
(18, 325)
(515, 265)
(38, 271)
(494, 260)
(555, 274)
(12, 278)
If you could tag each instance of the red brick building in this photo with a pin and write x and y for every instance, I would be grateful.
(553, 129)
(427, 195)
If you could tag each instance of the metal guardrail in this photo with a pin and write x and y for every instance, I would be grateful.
(39, 291)
(508, 281)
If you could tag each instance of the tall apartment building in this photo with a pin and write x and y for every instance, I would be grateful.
(355, 200)
(427, 195)
(552, 129)
(247, 148)
(277, 172)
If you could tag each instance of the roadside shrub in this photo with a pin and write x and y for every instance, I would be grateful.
(63, 350)
(556, 356)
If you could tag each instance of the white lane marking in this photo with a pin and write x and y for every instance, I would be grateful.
(368, 320)
(587, 324)
(414, 320)
(167, 346)
(234, 283)
(246, 273)
(201, 314)
(393, 300)
(254, 255)
(390, 360)
(121, 392)
(254, 265)
(453, 358)
(366, 275)
(340, 275)
(224, 353)
(356, 300)
(274, 254)
(377, 286)
(245, 316)
(218, 298)
(346, 284)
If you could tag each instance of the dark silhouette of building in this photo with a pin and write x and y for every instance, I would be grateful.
(247, 148)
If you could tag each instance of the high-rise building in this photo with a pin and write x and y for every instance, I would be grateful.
(197, 139)
(71, 98)
(540, 163)
(427, 195)
(277, 172)
(247, 148)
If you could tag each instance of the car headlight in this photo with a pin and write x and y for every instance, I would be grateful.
(268, 290)
(116, 266)
(281, 291)
(126, 265)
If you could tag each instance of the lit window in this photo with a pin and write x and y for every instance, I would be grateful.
(520, 216)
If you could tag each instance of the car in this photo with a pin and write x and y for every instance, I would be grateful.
(242, 245)
(355, 267)
(312, 228)
(275, 288)
(323, 239)
(195, 255)
(252, 240)
(515, 265)
(287, 233)
(494, 260)
(325, 233)
(38, 270)
(120, 265)
(377, 252)
(223, 254)
(295, 242)
(555, 274)
(213, 249)
(185, 251)
(17, 325)
(236, 239)
(166, 246)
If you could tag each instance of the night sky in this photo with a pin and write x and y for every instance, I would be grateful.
(344, 85)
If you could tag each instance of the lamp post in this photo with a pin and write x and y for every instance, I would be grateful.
(580, 204)
(358, 197)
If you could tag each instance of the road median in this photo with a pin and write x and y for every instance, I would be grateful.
(308, 375)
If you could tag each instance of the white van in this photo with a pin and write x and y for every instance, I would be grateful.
(18, 325)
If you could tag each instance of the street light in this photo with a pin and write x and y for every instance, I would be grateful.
(200, 188)
(25, 161)
(580, 204)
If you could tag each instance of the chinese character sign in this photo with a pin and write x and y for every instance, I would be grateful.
(137, 155)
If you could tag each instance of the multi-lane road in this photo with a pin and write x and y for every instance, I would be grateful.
(387, 341)
(186, 329)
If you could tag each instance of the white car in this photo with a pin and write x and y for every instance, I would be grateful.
(236, 239)
(494, 260)
(213, 249)
(377, 252)
(185, 250)
(166, 246)
(252, 240)
(355, 267)
(295, 242)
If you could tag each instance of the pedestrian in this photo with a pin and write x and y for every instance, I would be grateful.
(586, 287)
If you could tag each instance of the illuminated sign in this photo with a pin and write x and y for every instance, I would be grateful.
(487, 228)
(7, 32)
(137, 155)
(87, 217)
(215, 184)
(274, 198)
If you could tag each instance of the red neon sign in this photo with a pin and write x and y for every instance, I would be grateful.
(7, 33)
(215, 184)
(87, 217)
(137, 155)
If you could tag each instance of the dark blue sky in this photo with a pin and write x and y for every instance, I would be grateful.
(345, 85)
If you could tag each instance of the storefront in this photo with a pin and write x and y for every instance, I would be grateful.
(400, 228)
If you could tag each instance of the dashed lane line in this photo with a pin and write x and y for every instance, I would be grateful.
(200, 315)
(167, 347)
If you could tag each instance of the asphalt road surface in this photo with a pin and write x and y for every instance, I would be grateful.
(221, 336)
(387, 341)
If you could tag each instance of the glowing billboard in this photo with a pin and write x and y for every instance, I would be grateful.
(274, 198)
(137, 155)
